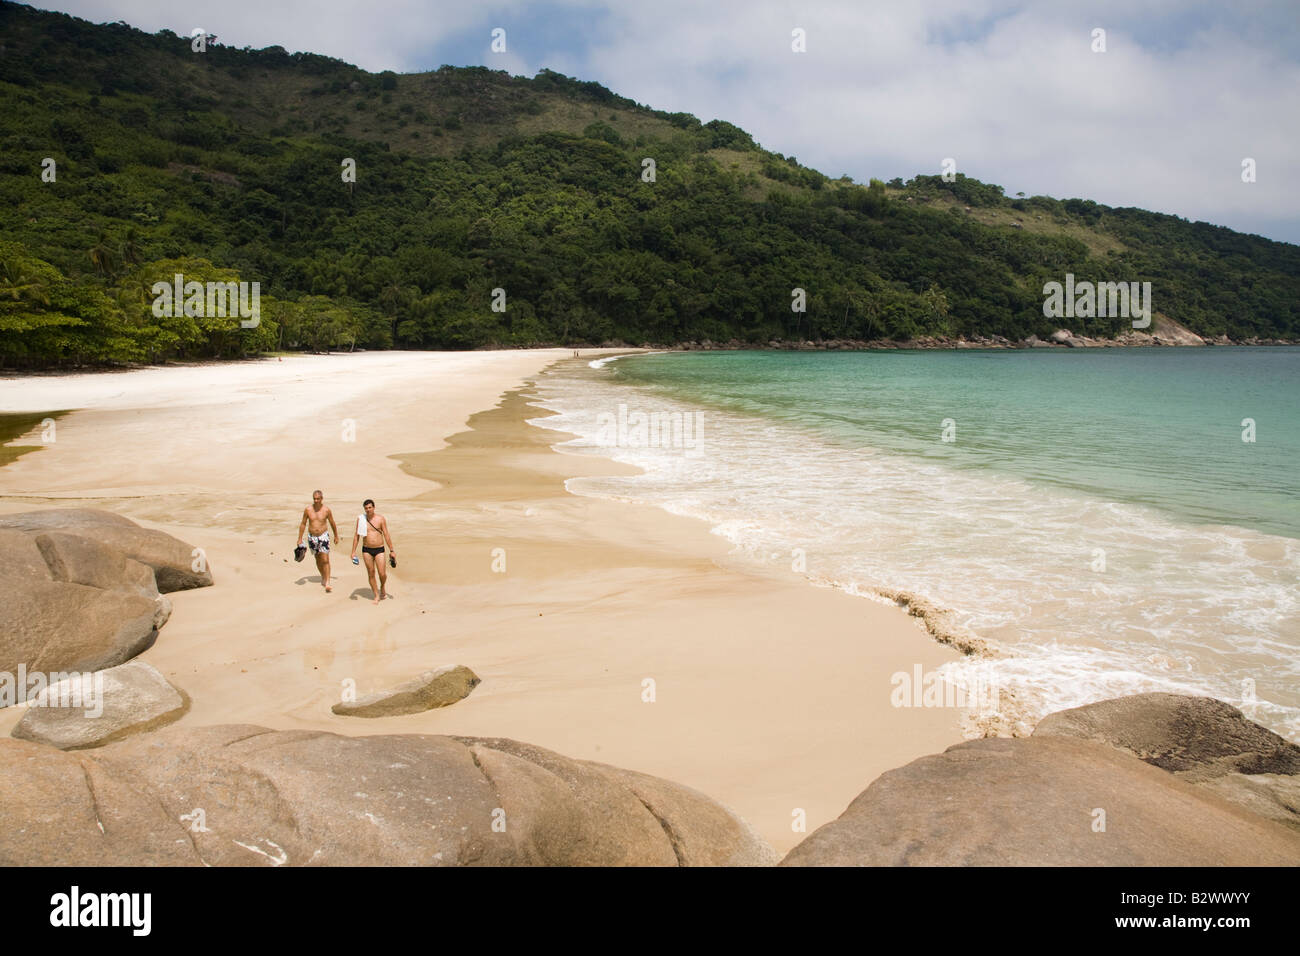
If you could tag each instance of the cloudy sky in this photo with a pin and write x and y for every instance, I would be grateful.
(1183, 93)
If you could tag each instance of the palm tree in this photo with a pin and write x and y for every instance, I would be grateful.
(129, 251)
(391, 300)
(102, 255)
(871, 313)
(19, 281)
(936, 304)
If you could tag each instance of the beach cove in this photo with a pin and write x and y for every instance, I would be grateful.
(765, 693)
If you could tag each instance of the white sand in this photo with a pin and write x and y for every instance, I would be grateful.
(772, 695)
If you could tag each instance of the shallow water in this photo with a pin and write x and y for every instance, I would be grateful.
(1096, 515)
(15, 426)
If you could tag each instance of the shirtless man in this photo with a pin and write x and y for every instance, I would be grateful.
(314, 518)
(374, 527)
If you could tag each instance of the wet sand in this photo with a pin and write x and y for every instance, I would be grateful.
(769, 694)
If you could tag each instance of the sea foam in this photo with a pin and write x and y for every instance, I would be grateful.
(1003, 569)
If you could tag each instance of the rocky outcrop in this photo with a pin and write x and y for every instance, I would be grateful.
(96, 709)
(50, 625)
(1166, 331)
(1163, 331)
(80, 560)
(240, 795)
(436, 688)
(715, 833)
(1271, 795)
(172, 560)
(1199, 739)
(82, 591)
(1178, 733)
(1042, 801)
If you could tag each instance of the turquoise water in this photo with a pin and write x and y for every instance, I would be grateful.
(1096, 519)
(1161, 427)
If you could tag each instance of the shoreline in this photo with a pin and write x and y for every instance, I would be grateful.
(770, 696)
(942, 344)
(924, 343)
(1061, 662)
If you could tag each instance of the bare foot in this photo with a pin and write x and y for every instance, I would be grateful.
(375, 601)
(329, 588)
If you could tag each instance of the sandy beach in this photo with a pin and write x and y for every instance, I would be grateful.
(770, 695)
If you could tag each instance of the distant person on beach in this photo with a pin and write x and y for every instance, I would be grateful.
(372, 531)
(314, 519)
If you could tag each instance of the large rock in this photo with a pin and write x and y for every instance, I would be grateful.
(172, 560)
(79, 560)
(721, 836)
(1034, 802)
(62, 809)
(82, 591)
(1178, 733)
(436, 688)
(1201, 740)
(55, 626)
(1162, 331)
(1271, 795)
(1173, 333)
(99, 708)
(21, 562)
(245, 795)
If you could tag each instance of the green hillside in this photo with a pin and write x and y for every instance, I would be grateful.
(226, 165)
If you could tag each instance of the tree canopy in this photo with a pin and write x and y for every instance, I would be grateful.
(229, 166)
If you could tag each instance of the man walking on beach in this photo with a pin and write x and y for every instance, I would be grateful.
(314, 519)
(372, 530)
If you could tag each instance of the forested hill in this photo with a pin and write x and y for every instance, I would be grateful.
(228, 164)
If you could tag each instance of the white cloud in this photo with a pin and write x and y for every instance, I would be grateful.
(1029, 105)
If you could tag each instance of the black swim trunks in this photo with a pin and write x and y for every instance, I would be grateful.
(373, 552)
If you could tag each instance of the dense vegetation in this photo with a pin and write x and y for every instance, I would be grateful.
(226, 165)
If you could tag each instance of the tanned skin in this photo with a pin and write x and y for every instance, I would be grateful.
(377, 535)
(314, 519)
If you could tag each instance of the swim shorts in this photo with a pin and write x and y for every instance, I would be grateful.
(319, 544)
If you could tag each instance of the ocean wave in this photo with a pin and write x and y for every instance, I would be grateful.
(1068, 598)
